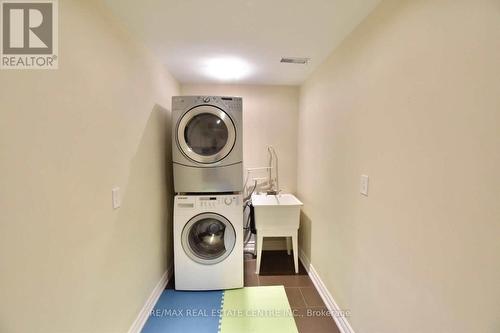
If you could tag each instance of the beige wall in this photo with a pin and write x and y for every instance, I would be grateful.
(412, 99)
(269, 118)
(68, 261)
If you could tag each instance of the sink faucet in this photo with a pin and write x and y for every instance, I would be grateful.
(273, 155)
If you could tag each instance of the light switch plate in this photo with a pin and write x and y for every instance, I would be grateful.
(115, 194)
(363, 188)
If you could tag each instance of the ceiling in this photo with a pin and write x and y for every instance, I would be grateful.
(196, 39)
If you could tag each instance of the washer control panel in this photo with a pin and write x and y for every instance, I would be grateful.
(216, 201)
(207, 202)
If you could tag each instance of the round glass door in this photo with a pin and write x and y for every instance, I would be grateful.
(208, 238)
(206, 134)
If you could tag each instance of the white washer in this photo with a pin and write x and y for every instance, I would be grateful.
(208, 242)
(207, 144)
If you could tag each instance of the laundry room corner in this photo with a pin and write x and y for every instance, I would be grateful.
(270, 118)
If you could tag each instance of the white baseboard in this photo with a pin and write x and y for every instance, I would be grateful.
(330, 303)
(143, 315)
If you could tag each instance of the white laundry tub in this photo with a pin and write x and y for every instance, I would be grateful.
(277, 216)
(276, 211)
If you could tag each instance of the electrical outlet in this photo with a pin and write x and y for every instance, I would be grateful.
(115, 194)
(363, 189)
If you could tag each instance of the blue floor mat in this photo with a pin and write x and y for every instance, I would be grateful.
(185, 312)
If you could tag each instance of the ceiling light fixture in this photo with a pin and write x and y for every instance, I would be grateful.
(294, 60)
(227, 68)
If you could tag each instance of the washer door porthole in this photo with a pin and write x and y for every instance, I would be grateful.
(208, 238)
(206, 134)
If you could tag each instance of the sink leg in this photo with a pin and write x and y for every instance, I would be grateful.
(288, 245)
(295, 252)
(259, 240)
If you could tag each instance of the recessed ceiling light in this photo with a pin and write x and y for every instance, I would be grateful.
(227, 68)
(295, 60)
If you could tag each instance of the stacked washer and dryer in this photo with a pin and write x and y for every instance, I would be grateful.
(207, 155)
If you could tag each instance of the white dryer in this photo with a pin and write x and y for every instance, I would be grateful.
(207, 144)
(208, 242)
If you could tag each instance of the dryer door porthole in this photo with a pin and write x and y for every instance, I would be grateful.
(206, 134)
(208, 238)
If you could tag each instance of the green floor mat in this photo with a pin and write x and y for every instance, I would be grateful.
(257, 310)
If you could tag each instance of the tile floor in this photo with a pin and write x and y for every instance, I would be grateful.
(277, 269)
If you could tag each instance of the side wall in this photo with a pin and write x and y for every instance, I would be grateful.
(69, 262)
(412, 99)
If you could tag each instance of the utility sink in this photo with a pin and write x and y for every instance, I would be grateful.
(277, 216)
(276, 211)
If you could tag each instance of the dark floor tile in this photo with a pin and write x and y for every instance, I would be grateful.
(314, 320)
(295, 297)
(311, 296)
(251, 280)
(286, 280)
(270, 281)
(250, 266)
(279, 263)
